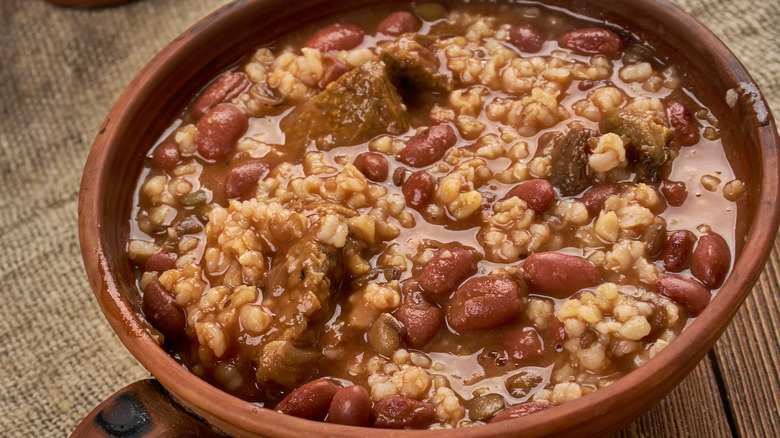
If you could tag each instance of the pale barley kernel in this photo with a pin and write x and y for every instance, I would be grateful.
(412, 382)
(185, 137)
(155, 186)
(569, 309)
(447, 403)
(593, 358)
(657, 347)
(636, 72)
(382, 297)
(469, 127)
(169, 278)
(449, 188)
(357, 265)
(608, 154)
(254, 319)
(574, 327)
(401, 356)
(624, 312)
(565, 392)
(141, 249)
(420, 360)
(383, 390)
(146, 278)
(186, 169)
(188, 243)
(590, 314)
(212, 336)
(465, 204)
(607, 226)
(635, 328)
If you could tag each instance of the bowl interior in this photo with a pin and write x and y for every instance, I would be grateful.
(163, 88)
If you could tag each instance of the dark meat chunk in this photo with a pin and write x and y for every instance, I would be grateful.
(287, 363)
(297, 292)
(647, 141)
(351, 110)
(412, 64)
(570, 160)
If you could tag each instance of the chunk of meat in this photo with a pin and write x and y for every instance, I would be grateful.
(570, 161)
(647, 140)
(412, 64)
(297, 293)
(287, 363)
(354, 108)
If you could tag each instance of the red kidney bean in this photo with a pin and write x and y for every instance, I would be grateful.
(524, 345)
(688, 293)
(447, 270)
(398, 412)
(334, 69)
(219, 130)
(560, 275)
(539, 194)
(711, 260)
(526, 37)
(429, 146)
(557, 330)
(240, 179)
(522, 410)
(162, 311)
(373, 165)
(310, 401)
(594, 197)
(160, 261)
(226, 88)
(418, 189)
(677, 251)
(675, 192)
(337, 36)
(484, 302)
(351, 406)
(399, 23)
(683, 128)
(593, 41)
(166, 156)
(421, 324)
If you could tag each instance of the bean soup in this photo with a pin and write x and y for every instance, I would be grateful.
(434, 217)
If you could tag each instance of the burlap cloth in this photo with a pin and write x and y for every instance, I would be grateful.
(60, 72)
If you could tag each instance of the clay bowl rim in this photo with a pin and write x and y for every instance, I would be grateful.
(642, 387)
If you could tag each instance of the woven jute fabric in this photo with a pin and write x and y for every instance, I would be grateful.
(60, 72)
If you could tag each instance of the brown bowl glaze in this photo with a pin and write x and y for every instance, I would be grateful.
(163, 87)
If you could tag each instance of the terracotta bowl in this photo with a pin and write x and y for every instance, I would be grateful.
(162, 89)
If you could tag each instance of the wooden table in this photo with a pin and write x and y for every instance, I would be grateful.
(735, 390)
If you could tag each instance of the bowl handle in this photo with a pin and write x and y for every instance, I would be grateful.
(142, 410)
